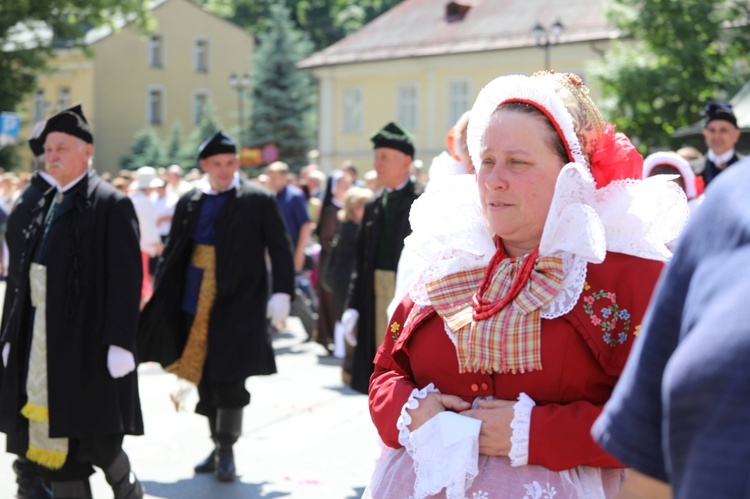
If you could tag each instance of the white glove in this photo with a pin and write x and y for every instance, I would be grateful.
(349, 319)
(119, 361)
(6, 352)
(278, 308)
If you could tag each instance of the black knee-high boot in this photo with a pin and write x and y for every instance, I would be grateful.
(228, 431)
(30, 481)
(72, 489)
(124, 483)
(208, 465)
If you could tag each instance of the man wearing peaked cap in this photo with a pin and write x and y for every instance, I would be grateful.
(73, 317)
(207, 321)
(218, 144)
(721, 134)
(72, 122)
(384, 227)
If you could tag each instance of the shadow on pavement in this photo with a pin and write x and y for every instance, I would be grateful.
(357, 493)
(207, 487)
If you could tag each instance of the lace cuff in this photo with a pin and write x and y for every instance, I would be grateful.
(521, 424)
(405, 419)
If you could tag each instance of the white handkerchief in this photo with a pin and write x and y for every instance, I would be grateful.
(445, 453)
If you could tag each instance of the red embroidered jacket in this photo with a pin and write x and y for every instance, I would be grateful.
(583, 353)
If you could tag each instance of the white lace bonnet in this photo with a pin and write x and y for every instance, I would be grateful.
(677, 162)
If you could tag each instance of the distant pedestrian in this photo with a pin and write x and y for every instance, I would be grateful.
(721, 134)
(384, 227)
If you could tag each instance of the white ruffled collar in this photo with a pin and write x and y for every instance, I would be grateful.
(450, 232)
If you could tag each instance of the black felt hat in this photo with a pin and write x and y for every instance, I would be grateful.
(71, 121)
(218, 144)
(395, 137)
(719, 111)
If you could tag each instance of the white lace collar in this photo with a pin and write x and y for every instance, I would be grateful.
(450, 232)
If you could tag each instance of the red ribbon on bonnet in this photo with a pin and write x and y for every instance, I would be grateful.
(615, 158)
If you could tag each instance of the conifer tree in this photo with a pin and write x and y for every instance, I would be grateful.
(206, 127)
(146, 150)
(174, 146)
(283, 97)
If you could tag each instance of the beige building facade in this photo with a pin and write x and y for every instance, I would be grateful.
(128, 80)
(423, 67)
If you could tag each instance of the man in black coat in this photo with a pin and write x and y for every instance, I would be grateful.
(69, 389)
(721, 134)
(207, 320)
(381, 236)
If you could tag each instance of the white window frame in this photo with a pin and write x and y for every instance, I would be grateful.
(352, 107)
(457, 105)
(197, 111)
(162, 107)
(39, 107)
(63, 98)
(407, 106)
(205, 65)
(162, 59)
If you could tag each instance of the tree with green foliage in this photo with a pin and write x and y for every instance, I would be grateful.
(174, 145)
(283, 97)
(207, 127)
(146, 150)
(30, 29)
(675, 56)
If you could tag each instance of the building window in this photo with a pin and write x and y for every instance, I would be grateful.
(459, 100)
(200, 100)
(156, 51)
(201, 56)
(38, 105)
(352, 110)
(407, 106)
(63, 99)
(155, 105)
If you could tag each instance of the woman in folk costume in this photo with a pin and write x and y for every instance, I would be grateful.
(535, 275)
(671, 163)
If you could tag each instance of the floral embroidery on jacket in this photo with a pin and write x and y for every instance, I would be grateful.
(395, 328)
(613, 320)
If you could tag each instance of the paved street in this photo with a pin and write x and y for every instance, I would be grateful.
(305, 435)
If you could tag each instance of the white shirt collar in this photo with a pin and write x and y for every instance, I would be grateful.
(204, 185)
(718, 159)
(47, 178)
(401, 186)
(72, 184)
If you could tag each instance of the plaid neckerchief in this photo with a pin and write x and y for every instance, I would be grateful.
(509, 341)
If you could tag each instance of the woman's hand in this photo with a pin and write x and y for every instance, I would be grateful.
(433, 404)
(496, 416)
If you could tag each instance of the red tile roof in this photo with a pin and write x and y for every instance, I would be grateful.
(417, 28)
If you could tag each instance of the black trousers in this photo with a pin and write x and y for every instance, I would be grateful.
(217, 394)
(224, 395)
(83, 454)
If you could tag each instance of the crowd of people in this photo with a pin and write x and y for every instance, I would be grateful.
(488, 309)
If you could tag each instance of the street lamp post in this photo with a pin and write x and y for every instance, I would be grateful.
(544, 40)
(240, 83)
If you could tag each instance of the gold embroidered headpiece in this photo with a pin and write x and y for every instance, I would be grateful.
(565, 100)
